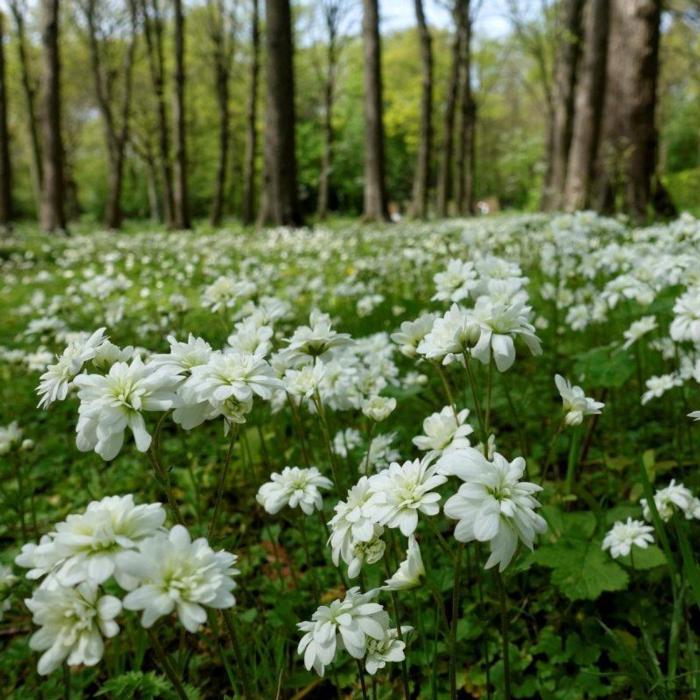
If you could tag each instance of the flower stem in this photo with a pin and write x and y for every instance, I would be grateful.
(571, 464)
(240, 661)
(222, 483)
(453, 623)
(361, 673)
(163, 480)
(167, 666)
(504, 635)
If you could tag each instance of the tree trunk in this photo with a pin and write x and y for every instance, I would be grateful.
(29, 91)
(182, 214)
(465, 152)
(588, 111)
(421, 181)
(328, 97)
(5, 168)
(280, 205)
(568, 52)
(251, 119)
(153, 33)
(52, 215)
(444, 184)
(375, 200)
(627, 158)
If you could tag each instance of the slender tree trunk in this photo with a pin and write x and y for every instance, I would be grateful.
(52, 215)
(182, 214)
(467, 109)
(568, 53)
(328, 97)
(421, 181)
(375, 199)
(153, 33)
(29, 91)
(251, 119)
(588, 111)
(280, 205)
(444, 183)
(5, 167)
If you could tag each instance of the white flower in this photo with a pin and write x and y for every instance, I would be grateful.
(251, 336)
(623, 536)
(387, 650)
(73, 622)
(10, 435)
(87, 546)
(444, 431)
(410, 571)
(183, 356)
(295, 488)
(576, 403)
(637, 329)
(366, 552)
(7, 581)
(404, 490)
(455, 283)
(493, 505)
(55, 383)
(658, 386)
(344, 624)
(501, 323)
(686, 324)
(411, 334)
(226, 292)
(110, 404)
(378, 408)
(451, 334)
(175, 573)
(695, 415)
(318, 338)
(674, 496)
(346, 440)
(305, 382)
(352, 522)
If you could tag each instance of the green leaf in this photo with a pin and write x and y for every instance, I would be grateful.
(648, 558)
(581, 570)
(604, 367)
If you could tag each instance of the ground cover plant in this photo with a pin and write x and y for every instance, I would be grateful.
(441, 460)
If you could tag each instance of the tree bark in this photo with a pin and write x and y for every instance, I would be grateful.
(627, 157)
(251, 119)
(444, 183)
(52, 214)
(421, 182)
(280, 204)
(5, 166)
(29, 91)
(375, 198)
(465, 152)
(222, 42)
(566, 70)
(153, 34)
(182, 213)
(588, 110)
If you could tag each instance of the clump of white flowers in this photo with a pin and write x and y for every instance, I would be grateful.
(10, 437)
(624, 535)
(576, 404)
(493, 505)
(674, 497)
(294, 487)
(378, 408)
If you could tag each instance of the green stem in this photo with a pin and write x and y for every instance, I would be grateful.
(222, 483)
(240, 661)
(572, 461)
(361, 672)
(166, 665)
(453, 622)
(504, 635)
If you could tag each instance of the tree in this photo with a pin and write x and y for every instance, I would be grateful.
(567, 59)
(5, 169)
(421, 181)
(375, 200)
(588, 110)
(333, 13)
(467, 110)
(19, 11)
(626, 170)
(444, 183)
(153, 34)
(221, 30)
(180, 199)
(251, 119)
(115, 114)
(52, 215)
(280, 203)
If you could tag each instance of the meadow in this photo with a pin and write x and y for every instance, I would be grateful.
(435, 460)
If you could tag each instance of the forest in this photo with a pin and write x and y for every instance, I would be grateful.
(350, 349)
(111, 111)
